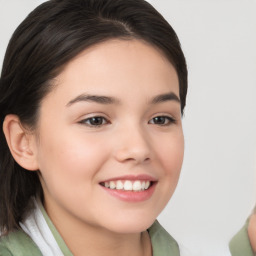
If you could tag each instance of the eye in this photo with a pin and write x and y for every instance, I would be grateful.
(162, 120)
(94, 121)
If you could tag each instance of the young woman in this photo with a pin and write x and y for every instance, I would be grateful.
(244, 242)
(91, 98)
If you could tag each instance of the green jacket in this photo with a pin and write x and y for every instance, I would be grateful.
(19, 244)
(240, 243)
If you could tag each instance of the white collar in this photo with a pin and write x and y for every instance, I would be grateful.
(36, 227)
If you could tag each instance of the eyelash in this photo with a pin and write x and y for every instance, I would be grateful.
(89, 121)
(164, 121)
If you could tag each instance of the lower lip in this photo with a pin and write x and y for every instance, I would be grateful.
(132, 196)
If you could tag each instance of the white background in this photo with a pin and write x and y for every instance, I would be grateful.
(217, 189)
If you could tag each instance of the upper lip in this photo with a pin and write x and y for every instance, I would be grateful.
(142, 177)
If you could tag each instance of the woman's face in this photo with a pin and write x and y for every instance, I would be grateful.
(109, 129)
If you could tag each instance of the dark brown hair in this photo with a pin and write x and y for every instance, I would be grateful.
(51, 35)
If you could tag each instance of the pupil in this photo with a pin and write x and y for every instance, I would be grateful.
(96, 120)
(159, 120)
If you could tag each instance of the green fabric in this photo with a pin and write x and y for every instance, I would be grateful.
(19, 244)
(56, 234)
(240, 244)
(163, 244)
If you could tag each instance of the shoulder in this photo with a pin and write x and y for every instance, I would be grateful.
(163, 243)
(17, 243)
(240, 244)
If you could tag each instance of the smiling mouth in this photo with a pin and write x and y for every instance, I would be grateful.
(128, 185)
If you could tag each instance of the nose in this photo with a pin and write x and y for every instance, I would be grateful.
(133, 145)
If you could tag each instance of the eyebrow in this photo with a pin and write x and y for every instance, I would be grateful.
(106, 100)
(165, 97)
(94, 98)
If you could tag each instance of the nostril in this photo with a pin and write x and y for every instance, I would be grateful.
(146, 160)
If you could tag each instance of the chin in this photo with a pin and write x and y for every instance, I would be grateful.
(131, 225)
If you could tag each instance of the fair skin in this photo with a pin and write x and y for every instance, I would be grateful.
(136, 137)
(252, 231)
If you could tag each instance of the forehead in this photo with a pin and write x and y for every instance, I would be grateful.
(119, 65)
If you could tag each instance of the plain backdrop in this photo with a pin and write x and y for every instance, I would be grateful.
(217, 188)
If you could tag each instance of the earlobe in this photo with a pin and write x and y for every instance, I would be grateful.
(21, 143)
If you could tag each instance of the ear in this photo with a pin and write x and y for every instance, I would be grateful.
(21, 143)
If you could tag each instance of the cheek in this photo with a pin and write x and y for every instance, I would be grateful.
(69, 166)
(70, 159)
(171, 155)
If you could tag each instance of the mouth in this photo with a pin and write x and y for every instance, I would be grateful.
(130, 188)
(128, 185)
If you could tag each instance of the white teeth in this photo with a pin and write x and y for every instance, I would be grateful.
(119, 185)
(143, 185)
(112, 185)
(127, 185)
(136, 185)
